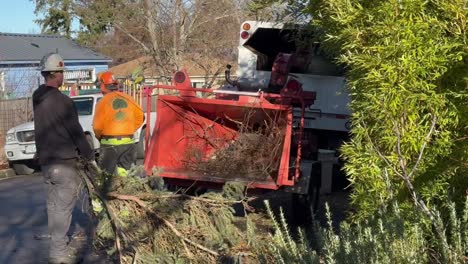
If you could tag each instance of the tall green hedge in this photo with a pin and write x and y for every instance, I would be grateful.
(407, 74)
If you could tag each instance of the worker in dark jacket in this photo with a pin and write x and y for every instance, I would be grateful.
(60, 141)
(116, 120)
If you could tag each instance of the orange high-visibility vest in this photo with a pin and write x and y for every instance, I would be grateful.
(117, 114)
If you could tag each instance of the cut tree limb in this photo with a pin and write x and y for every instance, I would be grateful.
(183, 196)
(165, 221)
(110, 212)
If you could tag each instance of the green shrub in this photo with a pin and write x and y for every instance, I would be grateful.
(385, 238)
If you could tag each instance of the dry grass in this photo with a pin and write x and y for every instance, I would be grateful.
(254, 155)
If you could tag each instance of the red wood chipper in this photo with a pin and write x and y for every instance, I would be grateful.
(213, 136)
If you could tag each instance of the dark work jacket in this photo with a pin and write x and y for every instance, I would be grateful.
(58, 134)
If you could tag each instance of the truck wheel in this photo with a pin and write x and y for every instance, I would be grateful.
(141, 144)
(22, 169)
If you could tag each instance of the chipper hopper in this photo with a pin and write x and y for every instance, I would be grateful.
(214, 136)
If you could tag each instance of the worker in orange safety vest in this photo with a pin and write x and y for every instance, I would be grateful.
(116, 120)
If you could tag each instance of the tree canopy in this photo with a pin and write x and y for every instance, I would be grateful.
(169, 32)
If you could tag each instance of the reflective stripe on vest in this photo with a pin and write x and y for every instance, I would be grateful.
(117, 141)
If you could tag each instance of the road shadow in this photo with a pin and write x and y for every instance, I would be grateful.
(23, 223)
(22, 215)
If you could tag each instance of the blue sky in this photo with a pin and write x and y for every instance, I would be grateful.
(17, 16)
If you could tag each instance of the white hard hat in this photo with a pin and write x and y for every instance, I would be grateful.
(51, 62)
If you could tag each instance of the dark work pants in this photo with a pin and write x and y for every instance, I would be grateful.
(113, 156)
(64, 184)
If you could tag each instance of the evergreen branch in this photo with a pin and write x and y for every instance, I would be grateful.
(165, 221)
(91, 186)
(149, 196)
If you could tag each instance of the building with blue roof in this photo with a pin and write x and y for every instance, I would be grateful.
(20, 55)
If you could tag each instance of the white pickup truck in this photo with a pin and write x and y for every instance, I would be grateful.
(20, 146)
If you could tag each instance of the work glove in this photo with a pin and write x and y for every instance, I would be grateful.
(97, 205)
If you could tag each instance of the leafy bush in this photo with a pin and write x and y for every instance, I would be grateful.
(409, 117)
(386, 238)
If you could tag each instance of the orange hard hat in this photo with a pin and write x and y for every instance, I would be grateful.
(105, 79)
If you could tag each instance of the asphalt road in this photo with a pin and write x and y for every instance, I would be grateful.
(23, 217)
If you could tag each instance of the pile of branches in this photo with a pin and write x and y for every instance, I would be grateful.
(141, 222)
(254, 155)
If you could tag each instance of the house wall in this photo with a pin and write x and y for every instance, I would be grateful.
(21, 80)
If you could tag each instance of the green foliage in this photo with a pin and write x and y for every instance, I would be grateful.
(258, 238)
(282, 247)
(208, 220)
(385, 238)
(95, 17)
(58, 16)
(409, 116)
(234, 191)
(406, 63)
(382, 239)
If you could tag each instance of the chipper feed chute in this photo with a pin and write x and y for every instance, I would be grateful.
(211, 140)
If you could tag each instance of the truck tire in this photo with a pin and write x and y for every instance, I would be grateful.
(22, 169)
(141, 144)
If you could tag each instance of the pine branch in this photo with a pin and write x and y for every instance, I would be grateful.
(165, 221)
(91, 186)
(148, 196)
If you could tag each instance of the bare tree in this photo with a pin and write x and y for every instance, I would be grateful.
(170, 31)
